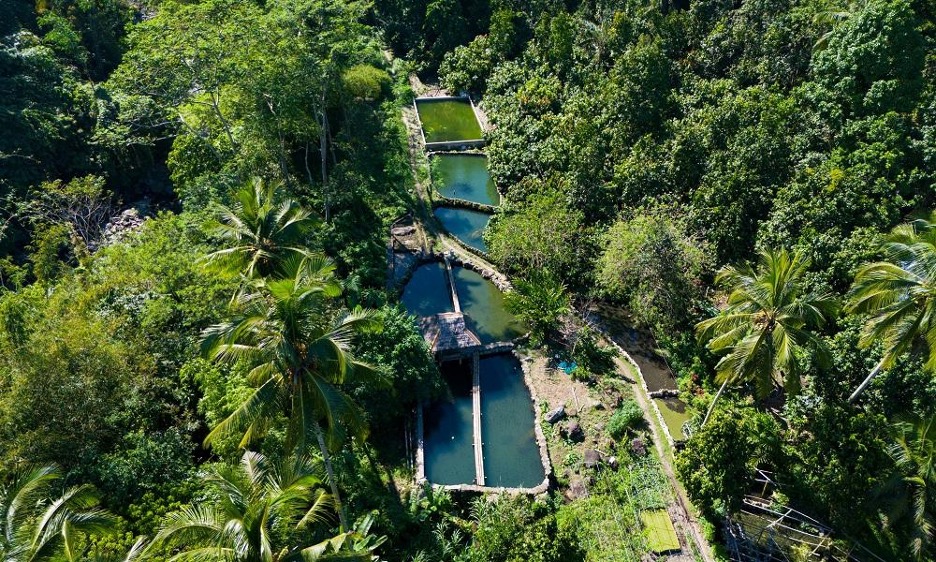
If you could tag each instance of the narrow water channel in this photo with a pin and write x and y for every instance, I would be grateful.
(464, 176)
(465, 224)
(483, 305)
(675, 413)
(449, 448)
(511, 455)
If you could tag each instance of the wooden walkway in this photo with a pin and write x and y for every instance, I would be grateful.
(476, 418)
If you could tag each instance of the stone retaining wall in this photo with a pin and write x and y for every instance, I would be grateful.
(443, 201)
(453, 145)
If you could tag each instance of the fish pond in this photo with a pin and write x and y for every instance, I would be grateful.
(511, 455)
(465, 224)
(448, 120)
(509, 451)
(464, 176)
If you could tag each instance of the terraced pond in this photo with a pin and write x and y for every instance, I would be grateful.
(448, 120)
(464, 176)
(465, 224)
(510, 453)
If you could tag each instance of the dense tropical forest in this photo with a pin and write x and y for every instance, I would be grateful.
(201, 357)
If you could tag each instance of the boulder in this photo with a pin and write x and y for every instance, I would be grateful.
(577, 489)
(554, 416)
(613, 463)
(592, 458)
(573, 431)
(596, 405)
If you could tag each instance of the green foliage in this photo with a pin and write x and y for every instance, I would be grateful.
(651, 263)
(261, 230)
(258, 508)
(516, 528)
(365, 82)
(407, 369)
(540, 233)
(590, 355)
(52, 253)
(764, 327)
(626, 417)
(717, 464)
(873, 62)
(841, 462)
(908, 496)
(37, 525)
(895, 294)
(116, 334)
(540, 302)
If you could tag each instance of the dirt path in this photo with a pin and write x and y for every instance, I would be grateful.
(687, 525)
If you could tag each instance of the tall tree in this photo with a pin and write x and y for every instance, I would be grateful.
(763, 328)
(300, 354)
(261, 230)
(910, 494)
(249, 508)
(899, 295)
(35, 525)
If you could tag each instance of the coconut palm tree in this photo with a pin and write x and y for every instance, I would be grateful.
(910, 493)
(899, 295)
(36, 526)
(300, 354)
(763, 329)
(253, 509)
(261, 230)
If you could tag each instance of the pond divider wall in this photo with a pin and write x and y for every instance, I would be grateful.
(453, 145)
(443, 201)
(451, 282)
(476, 416)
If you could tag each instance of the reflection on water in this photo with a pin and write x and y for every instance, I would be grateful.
(427, 292)
(483, 305)
(464, 176)
(449, 448)
(511, 456)
(465, 224)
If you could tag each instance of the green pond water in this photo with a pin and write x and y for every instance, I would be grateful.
(675, 414)
(427, 292)
(448, 120)
(447, 426)
(511, 456)
(463, 176)
(483, 305)
(465, 224)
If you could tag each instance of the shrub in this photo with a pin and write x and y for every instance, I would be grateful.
(628, 416)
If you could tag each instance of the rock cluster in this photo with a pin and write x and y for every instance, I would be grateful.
(127, 221)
